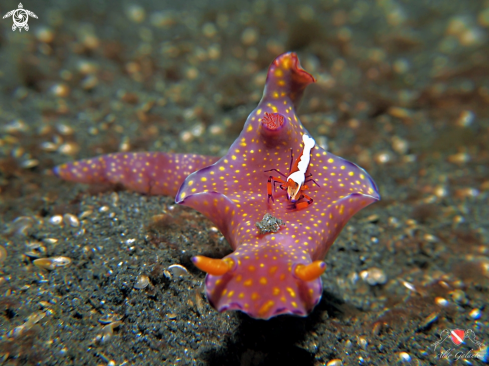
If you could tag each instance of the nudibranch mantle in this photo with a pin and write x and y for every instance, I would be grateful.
(262, 278)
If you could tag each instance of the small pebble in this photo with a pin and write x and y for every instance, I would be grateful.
(49, 146)
(249, 36)
(465, 118)
(362, 342)
(89, 82)
(209, 30)
(45, 35)
(475, 314)
(404, 357)
(399, 145)
(399, 112)
(31, 163)
(192, 73)
(383, 157)
(459, 158)
(136, 13)
(142, 282)
(178, 270)
(60, 90)
(69, 148)
(56, 220)
(409, 286)
(335, 362)
(107, 332)
(85, 214)
(87, 67)
(17, 125)
(430, 319)
(65, 130)
(104, 209)
(71, 220)
(441, 301)
(52, 263)
(374, 276)
(110, 318)
(458, 296)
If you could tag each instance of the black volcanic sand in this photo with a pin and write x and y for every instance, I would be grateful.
(402, 90)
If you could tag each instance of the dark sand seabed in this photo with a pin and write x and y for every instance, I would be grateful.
(403, 91)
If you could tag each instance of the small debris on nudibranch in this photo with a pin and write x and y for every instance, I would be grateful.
(268, 224)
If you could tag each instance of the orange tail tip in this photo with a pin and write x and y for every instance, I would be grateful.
(311, 271)
(215, 267)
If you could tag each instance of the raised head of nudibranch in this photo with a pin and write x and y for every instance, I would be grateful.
(278, 272)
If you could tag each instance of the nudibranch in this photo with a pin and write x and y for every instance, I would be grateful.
(267, 274)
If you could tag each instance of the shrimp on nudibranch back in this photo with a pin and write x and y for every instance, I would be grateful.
(294, 183)
(278, 272)
(270, 272)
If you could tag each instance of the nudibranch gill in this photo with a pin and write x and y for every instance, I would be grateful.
(266, 274)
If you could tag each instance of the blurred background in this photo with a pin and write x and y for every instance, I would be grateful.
(402, 90)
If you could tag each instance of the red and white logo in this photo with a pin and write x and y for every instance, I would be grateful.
(457, 336)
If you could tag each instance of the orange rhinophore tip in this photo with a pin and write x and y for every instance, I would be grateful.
(215, 267)
(311, 271)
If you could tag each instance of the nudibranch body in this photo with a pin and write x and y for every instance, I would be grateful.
(276, 273)
(267, 274)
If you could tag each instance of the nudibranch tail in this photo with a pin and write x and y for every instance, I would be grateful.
(286, 78)
(311, 271)
(216, 267)
(152, 173)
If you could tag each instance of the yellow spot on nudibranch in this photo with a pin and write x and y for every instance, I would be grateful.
(248, 283)
(290, 291)
(266, 307)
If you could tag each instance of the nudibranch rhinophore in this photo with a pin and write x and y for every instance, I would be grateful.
(266, 274)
